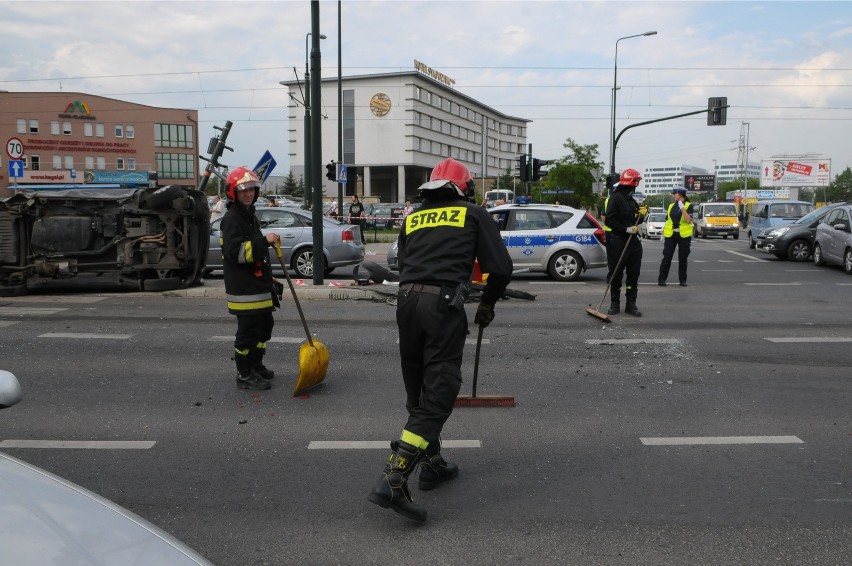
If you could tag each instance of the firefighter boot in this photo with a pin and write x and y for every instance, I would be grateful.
(630, 308)
(257, 363)
(391, 489)
(434, 470)
(247, 377)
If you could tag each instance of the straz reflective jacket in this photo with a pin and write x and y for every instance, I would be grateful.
(245, 259)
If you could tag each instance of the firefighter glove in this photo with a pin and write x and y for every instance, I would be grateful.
(278, 287)
(643, 210)
(632, 230)
(484, 314)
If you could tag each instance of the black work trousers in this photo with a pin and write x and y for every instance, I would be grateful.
(683, 245)
(431, 344)
(631, 263)
(253, 329)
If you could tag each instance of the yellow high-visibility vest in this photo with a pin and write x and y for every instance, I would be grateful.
(685, 228)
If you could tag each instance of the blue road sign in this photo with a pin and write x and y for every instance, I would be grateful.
(265, 166)
(16, 169)
(341, 172)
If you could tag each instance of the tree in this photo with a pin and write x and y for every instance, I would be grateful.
(573, 172)
(840, 190)
(505, 182)
(293, 189)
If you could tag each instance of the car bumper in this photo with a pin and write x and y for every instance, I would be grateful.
(766, 246)
(654, 233)
(720, 230)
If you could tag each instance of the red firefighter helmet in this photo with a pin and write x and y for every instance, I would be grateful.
(630, 177)
(454, 172)
(242, 178)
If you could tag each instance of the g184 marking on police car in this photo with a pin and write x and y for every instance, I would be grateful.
(559, 240)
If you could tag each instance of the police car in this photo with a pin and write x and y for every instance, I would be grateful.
(559, 240)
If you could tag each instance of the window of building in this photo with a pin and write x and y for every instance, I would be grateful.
(87, 129)
(33, 126)
(454, 152)
(54, 127)
(131, 164)
(90, 162)
(173, 135)
(101, 163)
(35, 163)
(445, 127)
(348, 108)
(119, 131)
(175, 166)
(454, 130)
(99, 130)
(22, 126)
(69, 161)
(445, 105)
(119, 164)
(130, 132)
(57, 162)
(66, 128)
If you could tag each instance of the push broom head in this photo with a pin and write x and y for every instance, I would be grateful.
(598, 314)
(484, 401)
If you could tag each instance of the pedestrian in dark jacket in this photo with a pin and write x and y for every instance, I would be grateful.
(438, 245)
(248, 279)
(356, 217)
(622, 217)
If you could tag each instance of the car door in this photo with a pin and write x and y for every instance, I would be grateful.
(528, 234)
(836, 238)
(289, 226)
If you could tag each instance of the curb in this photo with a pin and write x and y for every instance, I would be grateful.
(304, 292)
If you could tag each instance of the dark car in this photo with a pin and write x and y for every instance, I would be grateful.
(142, 239)
(384, 216)
(793, 241)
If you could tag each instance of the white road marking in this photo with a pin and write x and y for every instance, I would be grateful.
(790, 284)
(748, 257)
(277, 339)
(801, 271)
(722, 270)
(381, 444)
(21, 311)
(634, 341)
(86, 336)
(5, 323)
(467, 341)
(807, 340)
(71, 299)
(696, 440)
(555, 282)
(77, 444)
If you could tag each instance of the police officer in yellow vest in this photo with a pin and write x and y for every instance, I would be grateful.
(677, 233)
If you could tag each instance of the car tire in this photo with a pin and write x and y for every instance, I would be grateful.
(818, 255)
(847, 261)
(751, 242)
(161, 197)
(565, 265)
(165, 284)
(737, 236)
(799, 250)
(303, 263)
(13, 290)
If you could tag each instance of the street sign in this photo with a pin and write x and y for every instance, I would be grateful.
(341, 172)
(265, 166)
(15, 148)
(73, 173)
(16, 169)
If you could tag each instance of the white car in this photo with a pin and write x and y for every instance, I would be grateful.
(652, 226)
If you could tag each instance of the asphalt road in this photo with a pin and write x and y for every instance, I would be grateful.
(716, 429)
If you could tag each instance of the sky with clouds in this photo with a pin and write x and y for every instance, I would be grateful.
(785, 67)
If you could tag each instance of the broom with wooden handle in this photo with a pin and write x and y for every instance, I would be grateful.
(597, 312)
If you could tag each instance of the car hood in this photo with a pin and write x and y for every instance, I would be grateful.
(45, 519)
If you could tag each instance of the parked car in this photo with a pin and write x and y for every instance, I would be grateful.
(46, 519)
(772, 213)
(341, 242)
(793, 241)
(833, 240)
(652, 226)
(142, 239)
(716, 219)
(383, 215)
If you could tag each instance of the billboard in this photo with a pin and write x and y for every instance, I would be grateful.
(699, 182)
(795, 173)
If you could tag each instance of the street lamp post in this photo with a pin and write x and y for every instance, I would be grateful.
(307, 195)
(614, 88)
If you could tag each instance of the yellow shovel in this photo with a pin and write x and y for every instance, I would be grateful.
(313, 355)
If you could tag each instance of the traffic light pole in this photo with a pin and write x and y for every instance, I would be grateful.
(316, 149)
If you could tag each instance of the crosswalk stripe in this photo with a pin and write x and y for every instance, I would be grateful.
(21, 311)
(809, 340)
(278, 339)
(700, 440)
(633, 341)
(86, 336)
(81, 444)
(381, 444)
(5, 323)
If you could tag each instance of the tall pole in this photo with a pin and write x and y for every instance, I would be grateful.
(614, 89)
(316, 148)
(307, 195)
(339, 107)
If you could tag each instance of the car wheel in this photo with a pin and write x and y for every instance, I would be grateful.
(847, 261)
(565, 266)
(165, 284)
(160, 197)
(737, 236)
(303, 263)
(800, 250)
(818, 255)
(751, 242)
(13, 290)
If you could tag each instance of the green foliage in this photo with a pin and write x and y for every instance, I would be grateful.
(293, 189)
(726, 187)
(840, 190)
(584, 155)
(569, 176)
(504, 182)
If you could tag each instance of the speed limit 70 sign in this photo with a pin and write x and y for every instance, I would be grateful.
(15, 148)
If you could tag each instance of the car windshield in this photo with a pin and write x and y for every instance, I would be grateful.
(657, 217)
(723, 210)
(790, 210)
(813, 215)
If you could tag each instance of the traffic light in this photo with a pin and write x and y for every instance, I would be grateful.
(717, 111)
(331, 171)
(611, 180)
(523, 168)
(537, 171)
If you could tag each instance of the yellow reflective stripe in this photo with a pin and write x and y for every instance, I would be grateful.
(246, 254)
(453, 216)
(261, 345)
(415, 440)
(242, 352)
(249, 306)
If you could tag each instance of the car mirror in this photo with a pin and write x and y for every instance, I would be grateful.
(842, 226)
(10, 390)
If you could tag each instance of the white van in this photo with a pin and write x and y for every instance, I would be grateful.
(491, 197)
(717, 219)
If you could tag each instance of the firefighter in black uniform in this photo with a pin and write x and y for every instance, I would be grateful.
(437, 247)
(248, 278)
(622, 217)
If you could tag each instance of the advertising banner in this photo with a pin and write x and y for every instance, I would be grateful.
(795, 173)
(697, 183)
